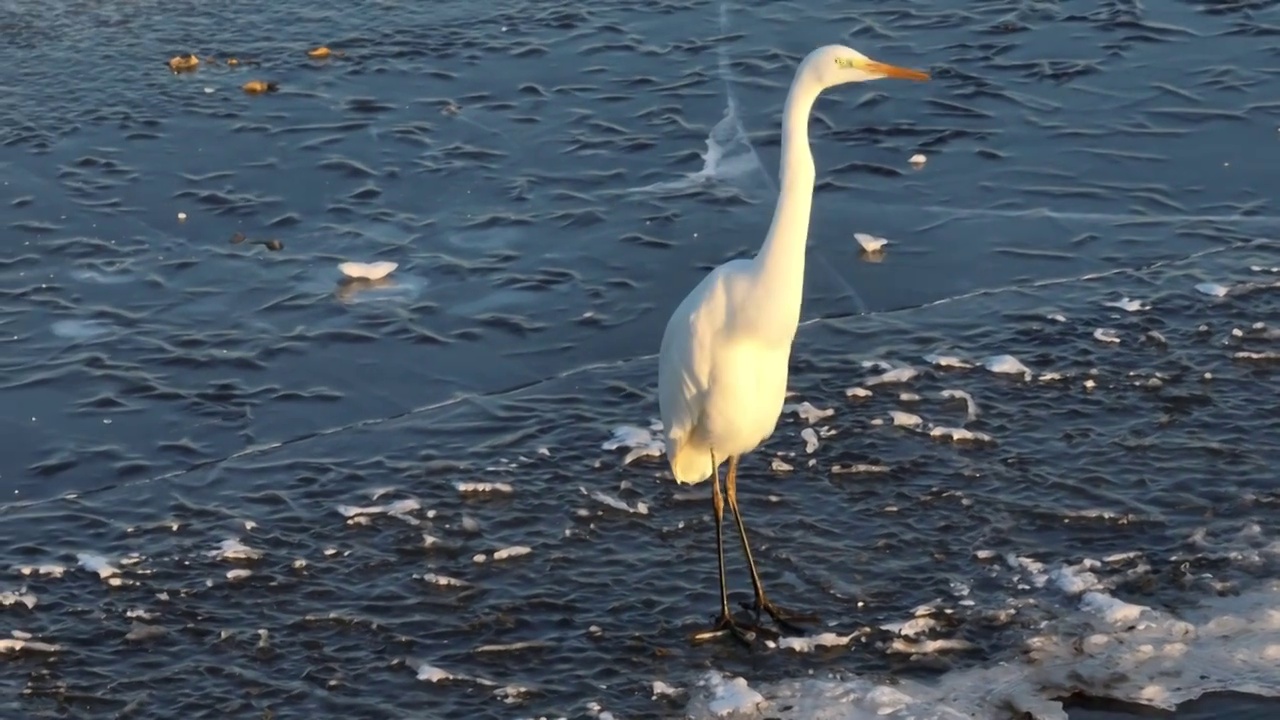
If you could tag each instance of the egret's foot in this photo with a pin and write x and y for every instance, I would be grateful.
(744, 633)
(786, 619)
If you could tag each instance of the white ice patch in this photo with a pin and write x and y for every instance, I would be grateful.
(99, 564)
(1212, 289)
(640, 442)
(9, 646)
(640, 508)
(511, 552)
(971, 405)
(1106, 335)
(810, 440)
(8, 598)
(905, 419)
(430, 673)
(233, 549)
(1107, 649)
(947, 361)
(441, 580)
(913, 627)
(1113, 610)
(896, 375)
(726, 695)
(1267, 356)
(1007, 365)
(54, 571)
(399, 507)
(476, 488)
(955, 434)
(858, 469)
(1128, 305)
(661, 689)
(812, 642)
(870, 243)
(903, 646)
(367, 271)
(808, 412)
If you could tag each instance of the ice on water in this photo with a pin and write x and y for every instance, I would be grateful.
(812, 642)
(1106, 335)
(441, 580)
(808, 412)
(47, 570)
(367, 271)
(9, 597)
(398, 507)
(895, 375)
(950, 361)
(1098, 645)
(639, 442)
(1128, 304)
(810, 438)
(234, 549)
(956, 434)
(9, 646)
(511, 552)
(1006, 365)
(906, 419)
(870, 243)
(971, 405)
(480, 488)
(640, 508)
(1212, 289)
(98, 564)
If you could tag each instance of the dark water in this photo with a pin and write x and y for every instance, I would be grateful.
(528, 166)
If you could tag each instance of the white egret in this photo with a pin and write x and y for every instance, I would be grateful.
(722, 368)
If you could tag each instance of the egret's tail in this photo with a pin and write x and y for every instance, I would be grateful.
(690, 461)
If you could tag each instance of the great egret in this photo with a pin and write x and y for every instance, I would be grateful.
(722, 368)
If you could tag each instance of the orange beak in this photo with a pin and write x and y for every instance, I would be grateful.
(893, 71)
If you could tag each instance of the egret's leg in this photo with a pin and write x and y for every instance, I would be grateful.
(726, 622)
(782, 617)
(717, 504)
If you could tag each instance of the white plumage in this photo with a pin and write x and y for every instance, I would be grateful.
(722, 367)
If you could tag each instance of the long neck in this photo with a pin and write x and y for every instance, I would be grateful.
(780, 262)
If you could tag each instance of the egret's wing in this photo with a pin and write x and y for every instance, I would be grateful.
(680, 384)
(687, 356)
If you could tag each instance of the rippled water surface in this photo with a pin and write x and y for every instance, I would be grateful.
(551, 179)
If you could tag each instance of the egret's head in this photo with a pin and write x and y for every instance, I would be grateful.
(833, 65)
